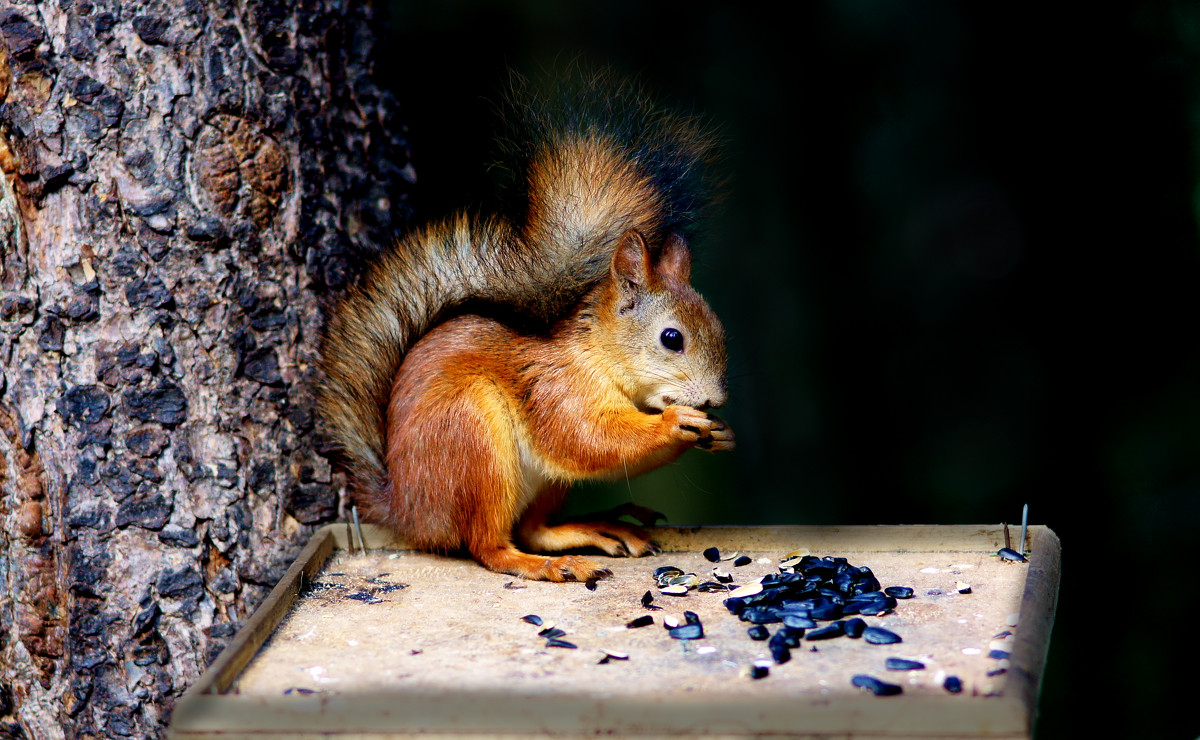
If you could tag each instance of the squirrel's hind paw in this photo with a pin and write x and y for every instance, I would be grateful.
(575, 568)
(541, 568)
(615, 539)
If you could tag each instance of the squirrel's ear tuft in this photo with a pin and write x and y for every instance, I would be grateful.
(631, 261)
(676, 259)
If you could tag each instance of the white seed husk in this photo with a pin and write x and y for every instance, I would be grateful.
(748, 590)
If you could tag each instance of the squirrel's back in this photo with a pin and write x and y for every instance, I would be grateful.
(582, 163)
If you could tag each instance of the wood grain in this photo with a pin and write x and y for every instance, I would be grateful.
(414, 659)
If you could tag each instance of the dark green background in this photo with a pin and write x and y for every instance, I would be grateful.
(959, 270)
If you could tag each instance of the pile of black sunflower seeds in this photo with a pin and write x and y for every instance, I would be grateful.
(811, 598)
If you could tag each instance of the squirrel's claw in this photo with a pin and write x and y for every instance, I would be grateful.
(719, 439)
(706, 431)
(570, 573)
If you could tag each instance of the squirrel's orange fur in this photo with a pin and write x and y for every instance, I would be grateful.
(464, 431)
(488, 427)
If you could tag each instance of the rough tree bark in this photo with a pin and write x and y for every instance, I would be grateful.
(182, 182)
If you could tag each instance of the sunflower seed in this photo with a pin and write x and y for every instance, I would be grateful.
(555, 642)
(876, 687)
(880, 636)
(796, 621)
(829, 631)
(648, 602)
(826, 610)
(902, 664)
(687, 632)
(759, 615)
(780, 651)
(688, 580)
(854, 627)
(750, 589)
(1008, 553)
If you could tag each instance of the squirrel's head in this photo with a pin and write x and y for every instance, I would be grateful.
(671, 344)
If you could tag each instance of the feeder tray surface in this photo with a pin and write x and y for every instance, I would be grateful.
(393, 642)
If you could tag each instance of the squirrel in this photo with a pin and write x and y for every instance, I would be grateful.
(486, 362)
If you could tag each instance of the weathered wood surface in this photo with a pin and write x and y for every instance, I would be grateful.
(447, 651)
(182, 183)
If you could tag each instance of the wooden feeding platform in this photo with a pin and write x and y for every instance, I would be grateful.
(396, 643)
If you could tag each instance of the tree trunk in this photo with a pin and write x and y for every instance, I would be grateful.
(183, 181)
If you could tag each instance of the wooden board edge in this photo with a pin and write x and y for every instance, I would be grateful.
(796, 735)
(874, 537)
(846, 715)
(834, 539)
(219, 676)
(1039, 602)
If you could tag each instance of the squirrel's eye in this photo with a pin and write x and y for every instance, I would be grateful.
(672, 340)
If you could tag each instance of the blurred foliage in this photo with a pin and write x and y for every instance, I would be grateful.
(958, 267)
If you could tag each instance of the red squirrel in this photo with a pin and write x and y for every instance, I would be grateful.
(462, 430)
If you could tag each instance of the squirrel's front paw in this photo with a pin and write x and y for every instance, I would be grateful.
(697, 427)
(720, 437)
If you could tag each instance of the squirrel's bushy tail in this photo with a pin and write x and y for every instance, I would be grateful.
(582, 164)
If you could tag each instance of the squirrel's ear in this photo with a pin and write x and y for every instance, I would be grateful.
(631, 261)
(676, 259)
